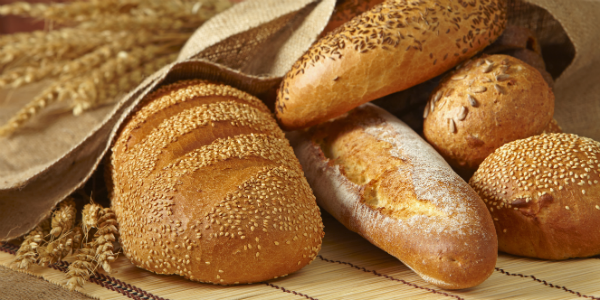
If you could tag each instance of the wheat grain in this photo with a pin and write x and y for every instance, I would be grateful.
(89, 217)
(61, 234)
(104, 238)
(110, 46)
(27, 254)
(82, 268)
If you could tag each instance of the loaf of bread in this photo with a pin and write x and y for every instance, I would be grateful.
(544, 195)
(484, 104)
(389, 48)
(380, 179)
(205, 185)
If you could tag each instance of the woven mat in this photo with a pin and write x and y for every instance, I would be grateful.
(347, 267)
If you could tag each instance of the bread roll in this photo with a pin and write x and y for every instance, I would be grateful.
(380, 179)
(486, 103)
(206, 186)
(389, 48)
(544, 195)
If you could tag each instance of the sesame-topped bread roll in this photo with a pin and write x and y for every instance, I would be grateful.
(205, 185)
(544, 195)
(393, 46)
(486, 103)
(382, 180)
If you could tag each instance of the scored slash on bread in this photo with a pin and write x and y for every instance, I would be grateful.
(393, 46)
(380, 179)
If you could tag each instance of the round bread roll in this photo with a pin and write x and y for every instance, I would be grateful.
(544, 196)
(393, 46)
(485, 104)
(205, 186)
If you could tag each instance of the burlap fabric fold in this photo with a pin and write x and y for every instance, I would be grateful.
(250, 46)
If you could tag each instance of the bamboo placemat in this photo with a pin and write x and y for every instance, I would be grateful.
(348, 267)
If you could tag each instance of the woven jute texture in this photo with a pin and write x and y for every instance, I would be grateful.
(348, 267)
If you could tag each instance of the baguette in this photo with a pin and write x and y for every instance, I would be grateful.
(380, 179)
(205, 186)
(393, 46)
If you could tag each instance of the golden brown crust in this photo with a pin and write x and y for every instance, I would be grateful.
(205, 186)
(381, 180)
(392, 47)
(486, 103)
(345, 10)
(544, 195)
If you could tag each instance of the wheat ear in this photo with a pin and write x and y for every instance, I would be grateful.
(104, 238)
(61, 234)
(27, 254)
(82, 268)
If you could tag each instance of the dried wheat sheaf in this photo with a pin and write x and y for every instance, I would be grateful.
(91, 242)
(94, 50)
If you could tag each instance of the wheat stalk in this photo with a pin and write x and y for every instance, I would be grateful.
(104, 238)
(103, 49)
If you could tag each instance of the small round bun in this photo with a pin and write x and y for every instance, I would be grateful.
(205, 186)
(483, 105)
(543, 193)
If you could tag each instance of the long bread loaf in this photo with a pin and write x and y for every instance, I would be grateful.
(205, 186)
(393, 46)
(380, 179)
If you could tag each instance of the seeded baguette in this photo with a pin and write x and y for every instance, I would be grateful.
(394, 46)
(205, 186)
(380, 179)
(483, 105)
(544, 195)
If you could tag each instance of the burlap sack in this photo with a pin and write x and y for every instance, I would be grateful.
(250, 46)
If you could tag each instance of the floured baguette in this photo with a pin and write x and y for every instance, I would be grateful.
(380, 179)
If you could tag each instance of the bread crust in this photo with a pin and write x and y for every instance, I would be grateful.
(389, 48)
(345, 10)
(205, 186)
(544, 194)
(380, 179)
(486, 103)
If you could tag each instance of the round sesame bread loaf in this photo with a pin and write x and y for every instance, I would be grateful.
(205, 185)
(484, 104)
(393, 46)
(544, 195)
(382, 180)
